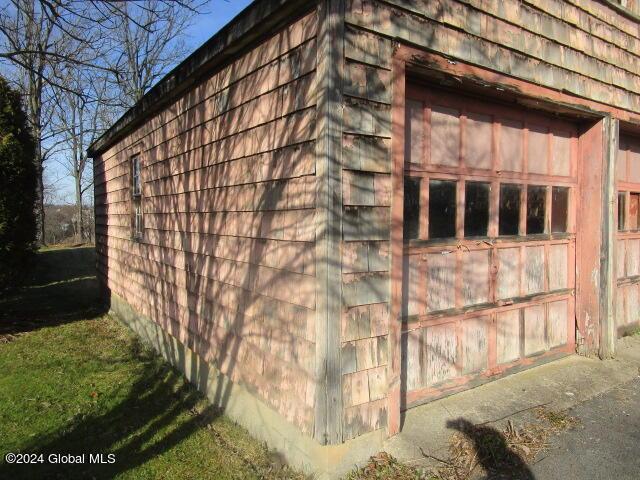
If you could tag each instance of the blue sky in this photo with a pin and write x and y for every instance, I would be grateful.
(218, 14)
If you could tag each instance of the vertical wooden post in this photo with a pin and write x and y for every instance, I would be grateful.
(608, 263)
(330, 54)
(397, 211)
(596, 239)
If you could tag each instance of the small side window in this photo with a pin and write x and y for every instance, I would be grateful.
(137, 225)
(135, 176)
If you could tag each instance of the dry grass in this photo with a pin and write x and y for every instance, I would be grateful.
(481, 450)
(385, 467)
(478, 450)
(557, 421)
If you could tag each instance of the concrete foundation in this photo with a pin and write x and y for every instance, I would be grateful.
(262, 422)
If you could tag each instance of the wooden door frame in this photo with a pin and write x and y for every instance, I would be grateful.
(595, 149)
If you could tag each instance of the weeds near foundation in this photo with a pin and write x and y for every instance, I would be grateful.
(385, 467)
(269, 465)
(633, 333)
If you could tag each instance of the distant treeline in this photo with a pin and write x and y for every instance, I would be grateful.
(61, 224)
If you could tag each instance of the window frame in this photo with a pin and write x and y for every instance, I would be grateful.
(626, 211)
(137, 214)
(418, 163)
(494, 209)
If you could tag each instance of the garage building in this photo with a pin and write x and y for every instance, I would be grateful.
(337, 210)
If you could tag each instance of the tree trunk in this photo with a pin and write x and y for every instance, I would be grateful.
(80, 227)
(35, 107)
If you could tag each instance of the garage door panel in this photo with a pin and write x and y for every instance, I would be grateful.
(534, 270)
(561, 159)
(491, 292)
(620, 307)
(628, 235)
(475, 345)
(441, 281)
(441, 346)
(445, 136)
(538, 149)
(510, 145)
(478, 152)
(633, 304)
(621, 163)
(508, 285)
(508, 336)
(475, 282)
(413, 351)
(633, 257)
(634, 163)
(621, 258)
(557, 323)
(414, 143)
(534, 335)
(558, 266)
(413, 301)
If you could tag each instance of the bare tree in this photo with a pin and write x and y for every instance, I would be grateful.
(79, 119)
(147, 43)
(27, 35)
(132, 43)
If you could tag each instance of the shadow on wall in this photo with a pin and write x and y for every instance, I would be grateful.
(226, 239)
(492, 452)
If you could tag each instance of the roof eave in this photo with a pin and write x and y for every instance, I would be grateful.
(257, 21)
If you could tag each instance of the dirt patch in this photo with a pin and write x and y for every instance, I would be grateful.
(8, 337)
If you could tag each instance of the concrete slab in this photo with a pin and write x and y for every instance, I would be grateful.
(560, 385)
(605, 444)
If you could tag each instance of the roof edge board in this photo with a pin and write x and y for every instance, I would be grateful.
(251, 25)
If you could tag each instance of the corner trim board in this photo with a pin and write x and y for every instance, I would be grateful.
(329, 410)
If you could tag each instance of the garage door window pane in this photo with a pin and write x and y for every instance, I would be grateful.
(411, 207)
(621, 208)
(559, 208)
(536, 206)
(476, 209)
(634, 209)
(509, 216)
(442, 209)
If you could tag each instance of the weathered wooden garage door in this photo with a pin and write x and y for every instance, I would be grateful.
(489, 241)
(628, 247)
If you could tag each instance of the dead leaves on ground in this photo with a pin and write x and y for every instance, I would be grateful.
(384, 466)
(478, 450)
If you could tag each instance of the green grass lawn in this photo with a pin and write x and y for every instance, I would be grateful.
(73, 380)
